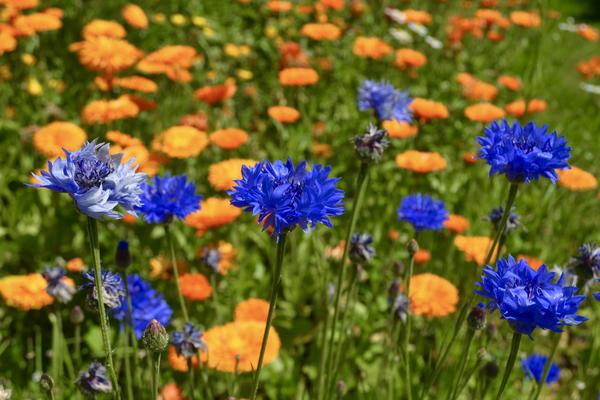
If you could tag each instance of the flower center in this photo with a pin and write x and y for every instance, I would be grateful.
(91, 172)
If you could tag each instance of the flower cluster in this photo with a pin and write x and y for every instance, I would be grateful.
(112, 289)
(168, 197)
(388, 103)
(529, 299)
(189, 341)
(284, 195)
(523, 153)
(423, 212)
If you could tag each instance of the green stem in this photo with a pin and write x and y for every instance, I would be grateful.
(191, 378)
(156, 375)
(321, 370)
(56, 347)
(469, 375)
(272, 304)
(461, 367)
(129, 328)
(361, 185)
(542, 382)
(514, 350)
(512, 194)
(169, 235)
(78, 344)
(411, 265)
(95, 246)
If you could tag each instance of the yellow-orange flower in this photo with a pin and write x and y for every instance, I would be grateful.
(20, 5)
(216, 94)
(589, 68)
(428, 109)
(214, 213)
(479, 90)
(105, 54)
(103, 111)
(420, 161)
(222, 174)
(322, 150)
(321, 31)
(536, 106)
(123, 139)
(516, 108)
(409, 58)
(138, 83)
(534, 262)
(30, 24)
(284, 114)
(181, 142)
(456, 223)
(576, 179)
(171, 391)
(588, 33)
(102, 27)
(173, 61)
(298, 76)
(525, 19)
(279, 5)
(7, 42)
(135, 16)
(178, 362)
(75, 265)
(417, 16)
(25, 292)
(432, 296)
(138, 153)
(475, 248)
(422, 256)
(237, 345)
(333, 4)
(194, 286)
(51, 139)
(484, 112)
(400, 129)
(510, 82)
(251, 310)
(371, 47)
(229, 138)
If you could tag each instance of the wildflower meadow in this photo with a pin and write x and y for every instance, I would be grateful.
(305, 199)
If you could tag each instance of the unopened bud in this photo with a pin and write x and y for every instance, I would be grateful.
(491, 369)
(412, 247)
(46, 383)
(76, 316)
(341, 388)
(122, 256)
(477, 318)
(155, 338)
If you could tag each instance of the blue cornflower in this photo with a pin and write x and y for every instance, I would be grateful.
(423, 212)
(587, 263)
(94, 381)
(529, 299)
(533, 367)
(370, 146)
(523, 153)
(360, 248)
(146, 304)
(397, 300)
(97, 181)
(387, 102)
(57, 286)
(189, 341)
(212, 258)
(112, 289)
(284, 195)
(495, 216)
(168, 197)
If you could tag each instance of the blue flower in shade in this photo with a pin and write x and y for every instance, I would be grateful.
(512, 223)
(423, 212)
(57, 286)
(533, 367)
(387, 102)
(97, 181)
(94, 381)
(112, 289)
(212, 258)
(189, 341)
(587, 263)
(168, 197)
(523, 153)
(146, 304)
(361, 250)
(284, 195)
(529, 299)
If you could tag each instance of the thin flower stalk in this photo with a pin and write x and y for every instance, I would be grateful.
(510, 363)
(542, 382)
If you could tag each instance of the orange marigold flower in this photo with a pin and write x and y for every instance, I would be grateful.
(322, 150)
(469, 158)
(576, 179)
(420, 161)
(136, 82)
(123, 139)
(135, 16)
(409, 58)
(181, 142)
(173, 61)
(489, 16)
(51, 139)
(102, 27)
(197, 120)
(333, 4)
(516, 108)
(292, 55)
(588, 33)
(533, 262)
(30, 24)
(25, 292)
(222, 174)
(229, 138)
(105, 54)
(20, 5)
(103, 111)
(139, 153)
(128, 218)
(417, 16)
(142, 102)
(284, 114)
(432, 296)
(400, 129)
(216, 94)
(475, 248)
(194, 286)
(370, 47)
(171, 392)
(321, 31)
(525, 19)
(251, 310)
(479, 90)
(510, 82)
(214, 213)
(422, 256)
(456, 223)
(484, 112)
(178, 362)
(428, 109)
(75, 265)
(536, 106)
(298, 76)
(464, 78)
(237, 345)
(589, 68)
(279, 5)
(7, 42)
